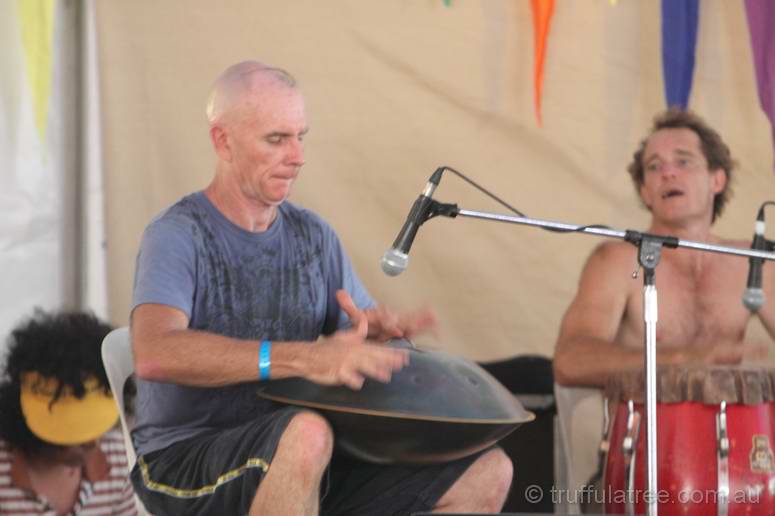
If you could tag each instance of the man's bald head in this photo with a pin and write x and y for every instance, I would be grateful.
(232, 87)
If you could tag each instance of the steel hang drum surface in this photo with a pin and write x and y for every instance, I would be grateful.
(438, 408)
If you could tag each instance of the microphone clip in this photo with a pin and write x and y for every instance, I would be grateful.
(436, 208)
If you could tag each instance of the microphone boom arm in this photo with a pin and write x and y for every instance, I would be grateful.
(452, 211)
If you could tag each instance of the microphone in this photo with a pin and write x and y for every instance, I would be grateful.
(753, 295)
(396, 259)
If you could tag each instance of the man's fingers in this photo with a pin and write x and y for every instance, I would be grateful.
(391, 327)
(422, 321)
(400, 358)
(353, 380)
(378, 371)
(728, 355)
(362, 328)
(347, 304)
(397, 360)
(379, 363)
(357, 317)
(347, 359)
(736, 353)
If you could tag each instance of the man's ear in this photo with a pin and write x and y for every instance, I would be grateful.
(219, 137)
(719, 180)
(645, 196)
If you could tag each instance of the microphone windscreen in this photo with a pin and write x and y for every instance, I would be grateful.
(394, 262)
(753, 299)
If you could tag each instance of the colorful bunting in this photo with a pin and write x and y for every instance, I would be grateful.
(679, 39)
(37, 27)
(542, 17)
(761, 20)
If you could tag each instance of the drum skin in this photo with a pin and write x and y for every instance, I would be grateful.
(687, 472)
(437, 408)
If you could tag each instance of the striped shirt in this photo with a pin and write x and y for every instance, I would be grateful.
(105, 487)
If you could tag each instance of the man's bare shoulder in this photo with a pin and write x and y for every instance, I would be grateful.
(613, 253)
(730, 262)
(728, 242)
(611, 263)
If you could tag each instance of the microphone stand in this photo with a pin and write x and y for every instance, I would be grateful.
(649, 254)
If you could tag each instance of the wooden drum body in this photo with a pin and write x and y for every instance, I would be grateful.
(715, 438)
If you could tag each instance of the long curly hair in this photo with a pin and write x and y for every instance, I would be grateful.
(62, 345)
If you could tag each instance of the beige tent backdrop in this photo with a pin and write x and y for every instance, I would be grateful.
(396, 88)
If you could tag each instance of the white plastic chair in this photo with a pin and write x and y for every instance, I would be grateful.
(119, 366)
(580, 421)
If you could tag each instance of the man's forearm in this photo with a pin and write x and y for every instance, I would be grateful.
(589, 362)
(203, 359)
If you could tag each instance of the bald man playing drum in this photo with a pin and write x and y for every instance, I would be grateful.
(682, 173)
(235, 285)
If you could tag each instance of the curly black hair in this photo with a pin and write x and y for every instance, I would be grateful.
(62, 345)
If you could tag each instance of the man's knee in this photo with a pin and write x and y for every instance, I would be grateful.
(309, 438)
(495, 475)
(501, 472)
(483, 487)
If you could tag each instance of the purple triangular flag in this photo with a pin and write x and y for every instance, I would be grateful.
(679, 39)
(761, 22)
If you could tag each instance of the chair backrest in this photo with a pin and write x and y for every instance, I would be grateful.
(580, 420)
(119, 366)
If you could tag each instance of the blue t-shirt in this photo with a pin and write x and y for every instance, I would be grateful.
(278, 285)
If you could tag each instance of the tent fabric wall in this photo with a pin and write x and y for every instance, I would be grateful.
(39, 231)
(395, 89)
(93, 277)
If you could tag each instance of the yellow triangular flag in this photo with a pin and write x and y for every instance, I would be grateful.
(37, 26)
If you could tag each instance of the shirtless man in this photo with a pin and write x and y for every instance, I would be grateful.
(682, 173)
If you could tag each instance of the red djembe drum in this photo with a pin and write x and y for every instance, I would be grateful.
(715, 441)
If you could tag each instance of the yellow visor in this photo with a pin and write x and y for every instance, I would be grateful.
(69, 420)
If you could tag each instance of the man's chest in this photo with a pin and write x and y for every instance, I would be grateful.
(279, 295)
(696, 308)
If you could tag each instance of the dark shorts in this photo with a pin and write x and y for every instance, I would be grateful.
(218, 473)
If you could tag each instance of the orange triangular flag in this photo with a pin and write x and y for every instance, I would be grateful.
(542, 16)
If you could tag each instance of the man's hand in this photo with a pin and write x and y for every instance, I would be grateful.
(345, 358)
(384, 324)
(725, 353)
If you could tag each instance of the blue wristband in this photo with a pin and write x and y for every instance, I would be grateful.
(264, 360)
